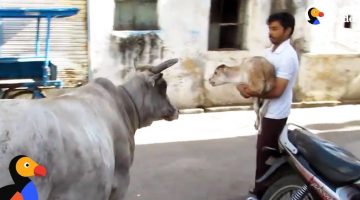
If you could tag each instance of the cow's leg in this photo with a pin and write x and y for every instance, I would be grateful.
(262, 110)
(120, 185)
(264, 107)
(257, 111)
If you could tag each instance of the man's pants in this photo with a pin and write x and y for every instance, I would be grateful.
(268, 136)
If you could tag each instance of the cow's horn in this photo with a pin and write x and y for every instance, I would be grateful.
(159, 68)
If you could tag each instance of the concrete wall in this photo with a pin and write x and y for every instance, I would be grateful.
(329, 70)
(327, 50)
(329, 77)
(100, 21)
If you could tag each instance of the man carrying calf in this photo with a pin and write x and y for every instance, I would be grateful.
(283, 56)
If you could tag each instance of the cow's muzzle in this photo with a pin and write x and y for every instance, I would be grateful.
(172, 116)
(212, 83)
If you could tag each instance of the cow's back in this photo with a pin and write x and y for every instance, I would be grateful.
(261, 74)
(71, 135)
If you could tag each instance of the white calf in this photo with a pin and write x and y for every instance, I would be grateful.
(256, 72)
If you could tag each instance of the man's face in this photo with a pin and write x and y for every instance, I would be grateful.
(277, 33)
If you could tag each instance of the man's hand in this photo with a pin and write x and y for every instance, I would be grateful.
(276, 92)
(244, 90)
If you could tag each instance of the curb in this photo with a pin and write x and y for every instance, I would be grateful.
(306, 104)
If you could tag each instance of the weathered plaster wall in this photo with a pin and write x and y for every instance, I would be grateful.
(329, 70)
(103, 62)
(184, 26)
(329, 77)
(330, 37)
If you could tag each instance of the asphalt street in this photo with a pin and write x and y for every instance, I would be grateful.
(211, 156)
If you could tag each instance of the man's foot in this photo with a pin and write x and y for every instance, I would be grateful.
(252, 197)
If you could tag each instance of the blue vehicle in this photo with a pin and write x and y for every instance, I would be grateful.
(29, 74)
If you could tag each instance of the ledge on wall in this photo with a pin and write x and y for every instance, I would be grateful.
(127, 33)
(310, 104)
(334, 55)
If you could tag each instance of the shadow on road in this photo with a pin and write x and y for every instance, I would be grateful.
(332, 126)
(220, 169)
(212, 169)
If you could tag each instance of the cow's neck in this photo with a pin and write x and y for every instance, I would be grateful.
(237, 76)
(137, 90)
(130, 107)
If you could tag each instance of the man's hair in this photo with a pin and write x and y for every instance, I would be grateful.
(286, 20)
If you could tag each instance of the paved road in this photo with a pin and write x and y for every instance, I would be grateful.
(211, 156)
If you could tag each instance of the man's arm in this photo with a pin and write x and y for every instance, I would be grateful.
(277, 90)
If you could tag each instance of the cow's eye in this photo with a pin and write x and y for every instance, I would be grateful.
(162, 90)
(161, 87)
(26, 165)
(215, 73)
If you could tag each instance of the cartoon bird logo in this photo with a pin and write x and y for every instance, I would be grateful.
(313, 14)
(21, 168)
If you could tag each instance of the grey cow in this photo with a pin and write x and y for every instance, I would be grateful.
(85, 138)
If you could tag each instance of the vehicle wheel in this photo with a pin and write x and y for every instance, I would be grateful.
(26, 94)
(284, 188)
(53, 72)
(22, 94)
(2, 94)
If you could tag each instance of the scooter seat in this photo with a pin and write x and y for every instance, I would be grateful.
(332, 162)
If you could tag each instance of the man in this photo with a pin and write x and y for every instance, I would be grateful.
(284, 58)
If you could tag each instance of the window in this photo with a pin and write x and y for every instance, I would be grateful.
(226, 24)
(135, 15)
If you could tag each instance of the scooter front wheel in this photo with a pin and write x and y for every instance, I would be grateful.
(284, 188)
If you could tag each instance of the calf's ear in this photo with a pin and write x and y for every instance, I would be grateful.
(221, 67)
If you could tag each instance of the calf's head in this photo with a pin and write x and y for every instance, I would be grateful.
(148, 91)
(219, 76)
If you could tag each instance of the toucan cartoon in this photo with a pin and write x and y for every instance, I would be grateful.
(21, 168)
(313, 14)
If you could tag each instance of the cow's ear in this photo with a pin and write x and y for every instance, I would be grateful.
(154, 78)
(221, 67)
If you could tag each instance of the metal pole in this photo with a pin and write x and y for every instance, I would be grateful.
(37, 47)
(1, 35)
(47, 47)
